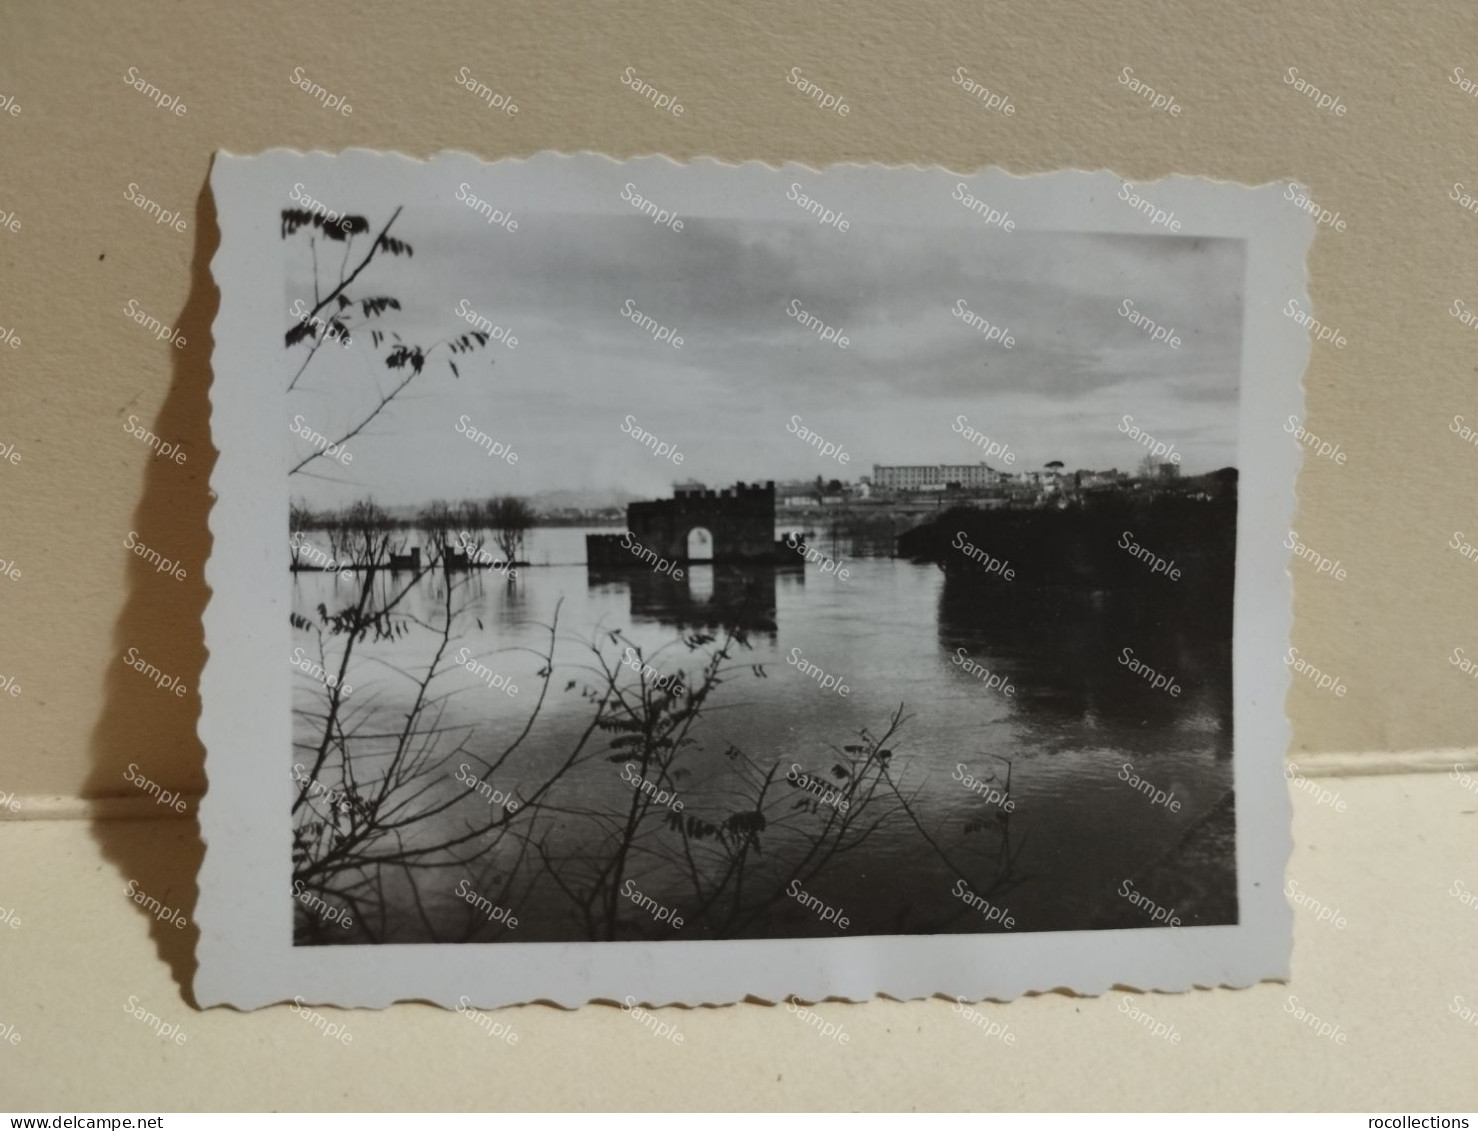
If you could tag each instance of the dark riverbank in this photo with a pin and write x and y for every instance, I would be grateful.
(1174, 543)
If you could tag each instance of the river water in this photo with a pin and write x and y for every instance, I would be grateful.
(890, 632)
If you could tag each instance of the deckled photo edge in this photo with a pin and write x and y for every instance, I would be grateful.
(229, 712)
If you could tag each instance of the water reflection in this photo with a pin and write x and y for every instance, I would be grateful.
(893, 630)
(707, 596)
(1064, 649)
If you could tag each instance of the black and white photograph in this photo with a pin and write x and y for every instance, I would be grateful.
(833, 567)
(692, 557)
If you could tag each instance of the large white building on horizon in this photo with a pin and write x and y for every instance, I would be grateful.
(934, 476)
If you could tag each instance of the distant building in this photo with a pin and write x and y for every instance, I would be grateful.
(1169, 471)
(933, 476)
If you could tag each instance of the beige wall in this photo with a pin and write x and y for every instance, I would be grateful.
(83, 250)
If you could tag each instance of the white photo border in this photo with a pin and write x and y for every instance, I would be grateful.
(246, 956)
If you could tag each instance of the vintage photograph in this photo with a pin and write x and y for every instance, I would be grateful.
(813, 582)
(657, 575)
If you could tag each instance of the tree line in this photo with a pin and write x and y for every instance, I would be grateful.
(508, 517)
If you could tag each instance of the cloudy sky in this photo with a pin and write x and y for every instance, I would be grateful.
(746, 367)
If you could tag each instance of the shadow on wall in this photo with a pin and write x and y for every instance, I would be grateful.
(145, 731)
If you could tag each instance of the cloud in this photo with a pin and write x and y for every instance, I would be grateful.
(559, 284)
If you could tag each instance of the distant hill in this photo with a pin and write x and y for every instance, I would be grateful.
(583, 500)
(544, 502)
